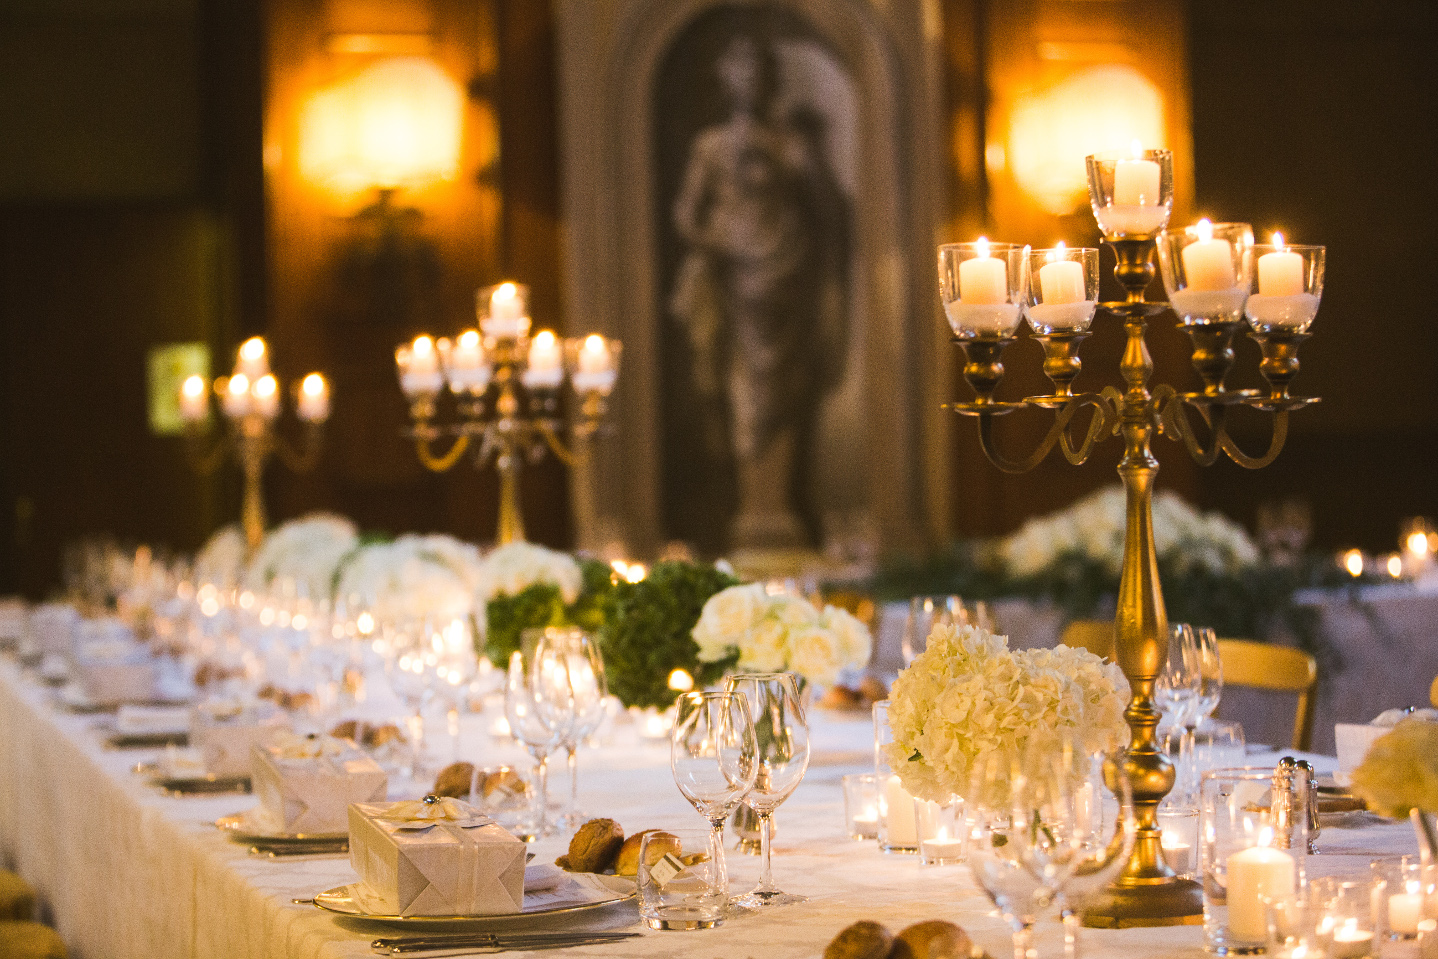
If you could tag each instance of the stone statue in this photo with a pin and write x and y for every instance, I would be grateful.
(762, 287)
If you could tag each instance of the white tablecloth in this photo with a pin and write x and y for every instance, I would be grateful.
(125, 872)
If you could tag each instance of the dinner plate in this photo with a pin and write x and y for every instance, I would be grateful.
(242, 827)
(606, 890)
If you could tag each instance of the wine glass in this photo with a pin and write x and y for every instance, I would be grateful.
(455, 665)
(1210, 671)
(715, 758)
(579, 655)
(1176, 693)
(418, 651)
(1104, 817)
(782, 735)
(926, 612)
(539, 706)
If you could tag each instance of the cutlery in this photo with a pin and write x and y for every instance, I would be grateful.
(285, 850)
(461, 944)
(202, 785)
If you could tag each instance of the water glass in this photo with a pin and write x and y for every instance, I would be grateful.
(681, 885)
(1239, 863)
(861, 805)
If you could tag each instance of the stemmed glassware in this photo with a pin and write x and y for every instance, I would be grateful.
(429, 658)
(782, 736)
(575, 651)
(714, 756)
(926, 612)
(539, 705)
(1176, 692)
(1210, 673)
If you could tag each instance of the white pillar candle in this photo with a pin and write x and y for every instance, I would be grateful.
(1405, 910)
(1136, 182)
(984, 279)
(1280, 273)
(1062, 281)
(1208, 263)
(506, 312)
(546, 365)
(194, 401)
(594, 355)
(266, 392)
(469, 368)
(252, 360)
(314, 402)
(419, 367)
(1252, 874)
(236, 399)
(901, 827)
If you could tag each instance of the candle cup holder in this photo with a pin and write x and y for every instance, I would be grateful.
(1287, 288)
(1213, 357)
(1061, 366)
(507, 386)
(1349, 913)
(1207, 271)
(1280, 365)
(1125, 206)
(861, 806)
(984, 368)
(942, 832)
(1404, 898)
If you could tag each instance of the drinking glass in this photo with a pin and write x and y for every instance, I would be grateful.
(579, 654)
(1176, 693)
(539, 706)
(926, 612)
(410, 667)
(714, 756)
(682, 883)
(782, 735)
(1210, 672)
(455, 665)
(1106, 830)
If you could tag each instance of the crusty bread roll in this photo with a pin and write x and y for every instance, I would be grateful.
(862, 940)
(454, 780)
(935, 939)
(627, 862)
(503, 780)
(594, 847)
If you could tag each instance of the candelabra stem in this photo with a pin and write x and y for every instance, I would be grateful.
(511, 518)
(252, 510)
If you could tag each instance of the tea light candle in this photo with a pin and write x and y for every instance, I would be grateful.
(267, 396)
(942, 846)
(1136, 182)
(1280, 273)
(1254, 873)
(984, 279)
(1350, 942)
(1177, 853)
(1208, 263)
(252, 359)
(901, 826)
(1405, 911)
(314, 402)
(194, 403)
(1061, 281)
(545, 369)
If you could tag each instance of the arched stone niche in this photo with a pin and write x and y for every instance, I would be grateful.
(858, 81)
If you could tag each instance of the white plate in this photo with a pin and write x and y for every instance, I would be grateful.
(596, 891)
(244, 827)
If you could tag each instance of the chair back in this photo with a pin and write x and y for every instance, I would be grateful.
(1277, 669)
(1094, 635)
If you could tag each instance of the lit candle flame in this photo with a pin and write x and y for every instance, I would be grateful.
(1265, 836)
(239, 384)
(982, 244)
(681, 681)
(1395, 566)
(313, 385)
(194, 387)
(1057, 252)
(252, 349)
(423, 345)
(1417, 541)
(265, 385)
(469, 339)
(1204, 229)
(544, 339)
(1136, 145)
(1353, 562)
(1278, 239)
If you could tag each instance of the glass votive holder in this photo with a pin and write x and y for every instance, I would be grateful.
(1131, 192)
(1238, 865)
(982, 288)
(1062, 289)
(1207, 270)
(1179, 824)
(941, 831)
(861, 805)
(1287, 284)
(503, 310)
(1402, 899)
(897, 831)
(1347, 927)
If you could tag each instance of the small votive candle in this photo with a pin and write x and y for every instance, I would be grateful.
(861, 805)
(941, 832)
(1350, 942)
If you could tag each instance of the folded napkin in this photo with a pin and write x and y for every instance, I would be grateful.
(180, 763)
(543, 877)
(147, 720)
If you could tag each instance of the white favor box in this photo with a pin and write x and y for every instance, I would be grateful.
(444, 870)
(226, 739)
(311, 794)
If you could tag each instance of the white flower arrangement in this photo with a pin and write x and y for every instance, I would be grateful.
(1093, 528)
(221, 561)
(968, 694)
(510, 569)
(779, 633)
(307, 550)
(412, 577)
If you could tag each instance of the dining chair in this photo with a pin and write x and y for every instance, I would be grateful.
(1094, 635)
(1433, 692)
(30, 940)
(1275, 669)
(17, 899)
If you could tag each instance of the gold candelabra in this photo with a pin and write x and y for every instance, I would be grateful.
(1208, 272)
(507, 388)
(250, 402)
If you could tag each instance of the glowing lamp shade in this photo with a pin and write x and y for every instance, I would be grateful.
(1097, 109)
(395, 124)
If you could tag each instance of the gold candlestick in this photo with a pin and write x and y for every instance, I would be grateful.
(1147, 892)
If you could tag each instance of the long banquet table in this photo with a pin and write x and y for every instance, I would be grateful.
(124, 871)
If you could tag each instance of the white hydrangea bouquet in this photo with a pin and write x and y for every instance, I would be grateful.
(306, 551)
(968, 694)
(522, 586)
(780, 633)
(411, 577)
(221, 561)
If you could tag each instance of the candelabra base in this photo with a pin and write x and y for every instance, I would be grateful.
(1169, 902)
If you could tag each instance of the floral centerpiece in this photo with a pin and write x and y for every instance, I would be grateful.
(306, 551)
(411, 577)
(968, 694)
(221, 561)
(523, 586)
(765, 634)
(1399, 777)
(647, 633)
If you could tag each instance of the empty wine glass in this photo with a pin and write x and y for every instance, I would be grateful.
(714, 756)
(410, 668)
(455, 665)
(1176, 692)
(577, 652)
(1107, 830)
(539, 706)
(926, 612)
(782, 735)
(1210, 672)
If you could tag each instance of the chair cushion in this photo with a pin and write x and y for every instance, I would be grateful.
(17, 899)
(30, 940)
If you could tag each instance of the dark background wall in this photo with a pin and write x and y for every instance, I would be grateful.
(134, 211)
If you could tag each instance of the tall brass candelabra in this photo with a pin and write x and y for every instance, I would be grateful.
(506, 385)
(1147, 892)
(250, 401)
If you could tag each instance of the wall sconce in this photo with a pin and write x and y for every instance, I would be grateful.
(1095, 109)
(394, 124)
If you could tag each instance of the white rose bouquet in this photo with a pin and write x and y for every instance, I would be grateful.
(307, 550)
(780, 633)
(412, 577)
(514, 567)
(968, 694)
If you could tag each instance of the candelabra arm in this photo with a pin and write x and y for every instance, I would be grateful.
(569, 456)
(1056, 436)
(1275, 444)
(1098, 427)
(1176, 425)
(442, 463)
(306, 456)
(205, 454)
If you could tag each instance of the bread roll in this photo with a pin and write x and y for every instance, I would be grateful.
(862, 940)
(454, 780)
(593, 847)
(934, 939)
(627, 862)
